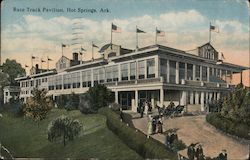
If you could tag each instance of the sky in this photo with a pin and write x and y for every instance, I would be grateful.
(185, 23)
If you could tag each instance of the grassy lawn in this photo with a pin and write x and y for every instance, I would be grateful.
(25, 138)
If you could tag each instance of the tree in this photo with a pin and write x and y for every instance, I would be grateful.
(3, 82)
(64, 128)
(38, 106)
(95, 98)
(13, 69)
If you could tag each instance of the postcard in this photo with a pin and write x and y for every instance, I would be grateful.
(113, 79)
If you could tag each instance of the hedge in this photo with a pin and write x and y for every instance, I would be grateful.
(147, 148)
(229, 126)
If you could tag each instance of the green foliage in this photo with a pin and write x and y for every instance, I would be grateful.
(178, 145)
(15, 107)
(13, 69)
(96, 97)
(38, 106)
(3, 82)
(61, 100)
(228, 126)
(65, 128)
(236, 106)
(147, 148)
(73, 102)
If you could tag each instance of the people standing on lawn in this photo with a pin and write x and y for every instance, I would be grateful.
(159, 126)
(146, 107)
(141, 109)
(150, 127)
(199, 153)
(191, 151)
(154, 124)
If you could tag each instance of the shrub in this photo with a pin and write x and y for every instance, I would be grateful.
(15, 107)
(63, 128)
(229, 126)
(97, 97)
(38, 106)
(73, 102)
(147, 148)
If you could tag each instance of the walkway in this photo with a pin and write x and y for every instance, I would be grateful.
(193, 129)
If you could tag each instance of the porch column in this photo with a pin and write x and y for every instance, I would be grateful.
(208, 74)
(157, 67)
(197, 97)
(161, 97)
(183, 100)
(116, 97)
(177, 73)
(200, 73)
(119, 72)
(218, 95)
(202, 101)
(92, 78)
(186, 71)
(136, 99)
(168, 71)
(194, 67)
(207, 97)
(210, 96)
(191, 97)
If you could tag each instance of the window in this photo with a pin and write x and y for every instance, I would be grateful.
(51, 83)
(197, 72)
(189, 71)
(58, 82)
(101, 75)
(75, 79)
(141, 67)
(181, 71)
(124, 72)
(172, 74)
(151, 68)
(86, 78)
(132, 70)
(109, 74)
(204, 73)
(164, 66)
(115, 73)
(96, 73)
(6, 93)
(67, 81)
(31, 83)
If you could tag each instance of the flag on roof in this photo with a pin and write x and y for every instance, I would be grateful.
(33, 57)
(49, 59)
(116, 29)
(63, 45)
(82, 49)
(160, 33)
(214, 28)
(42, 61)
(26, 66)
(93, 45)
(139, 31)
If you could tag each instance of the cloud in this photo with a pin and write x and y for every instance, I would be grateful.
(184, 30)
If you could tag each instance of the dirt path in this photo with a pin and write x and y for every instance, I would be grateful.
(193, 129)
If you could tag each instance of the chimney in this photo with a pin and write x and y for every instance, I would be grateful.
(75, 56)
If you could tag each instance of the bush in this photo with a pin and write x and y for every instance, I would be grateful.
(229, 126)
(73, 102)
(15, 107)
(84, 104)
(147, 148)
(63, 128)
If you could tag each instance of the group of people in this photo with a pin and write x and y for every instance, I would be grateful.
(154, 125)
(170, 138)
(144, 107)
(194, 151)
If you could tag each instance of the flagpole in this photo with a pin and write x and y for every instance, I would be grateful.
(47, 63)
(209, 32)
(136, 38)
(155, 35)
(41, 63)
(62, 49)
(31, 61)
(92, 51)
(111, 35)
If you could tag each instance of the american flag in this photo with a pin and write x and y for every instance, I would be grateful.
(116, 29)
(160, 33)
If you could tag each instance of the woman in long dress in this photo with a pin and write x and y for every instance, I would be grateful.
(150, 128)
